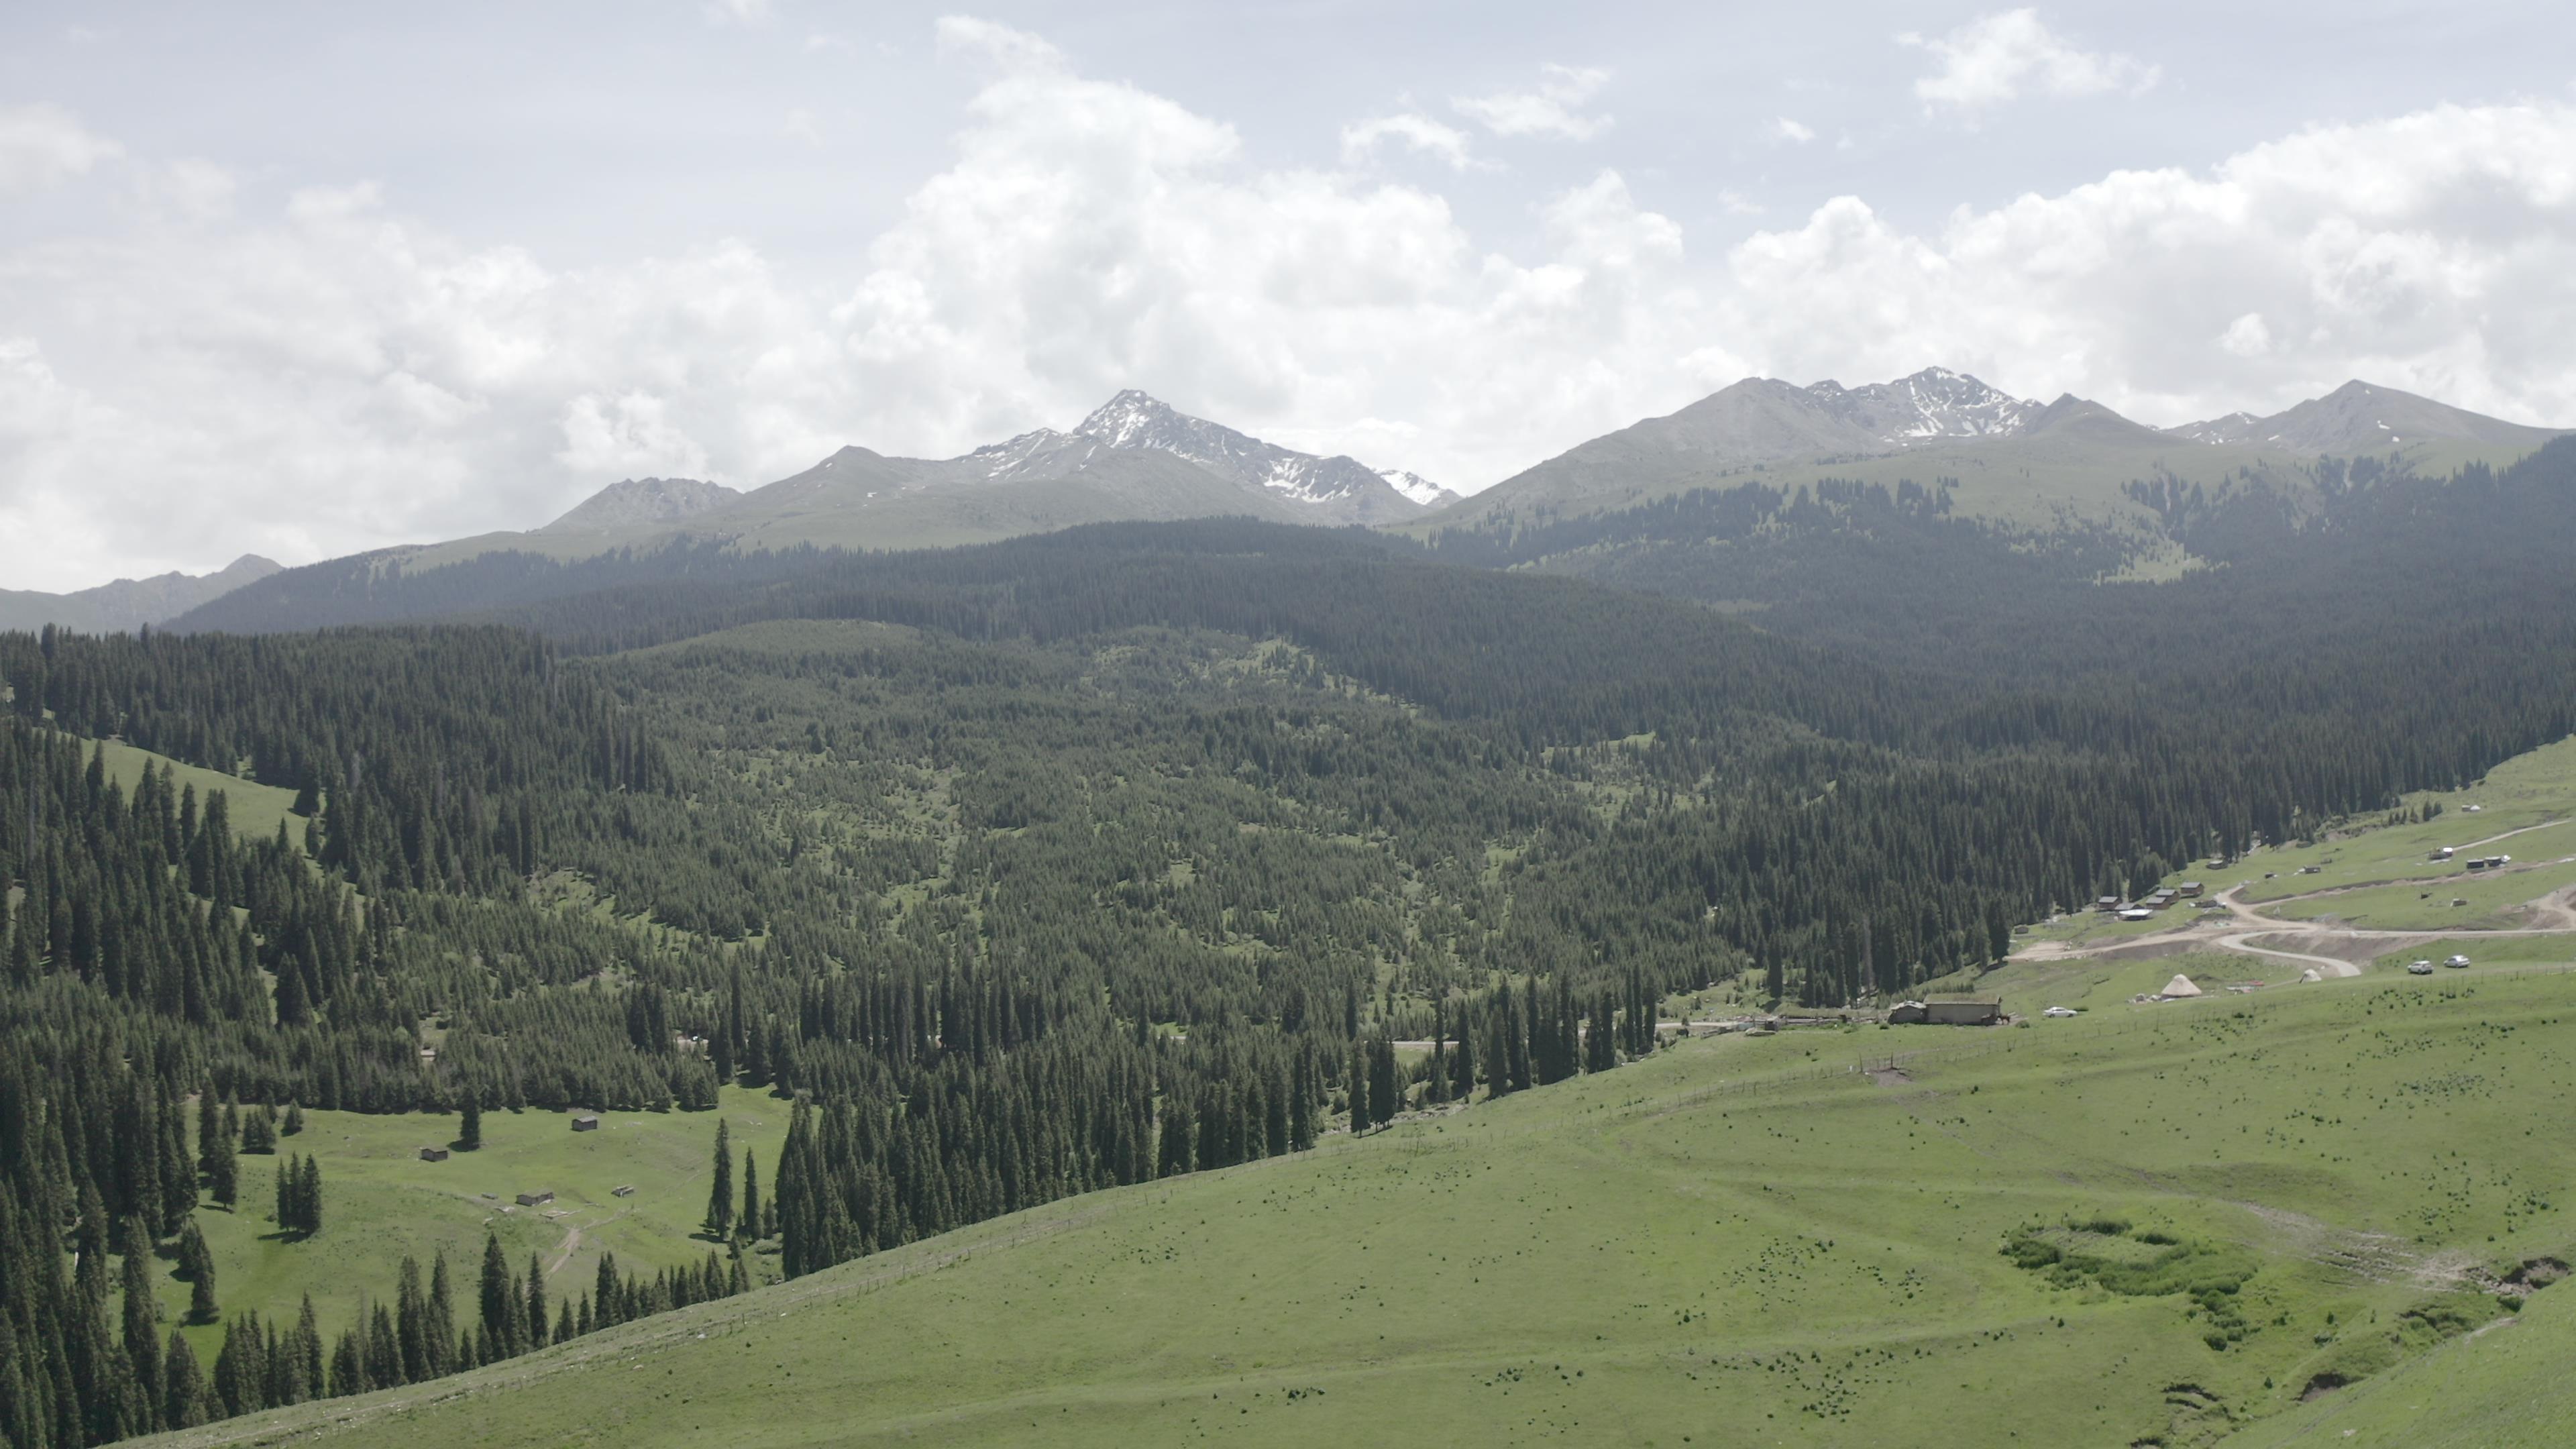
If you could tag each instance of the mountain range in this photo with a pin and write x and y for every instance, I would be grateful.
(129, 604)
(2016, 460)
(2026, 466)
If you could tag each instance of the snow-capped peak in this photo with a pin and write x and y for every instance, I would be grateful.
(1417, 488)
(1339, 485)
(1931, 405)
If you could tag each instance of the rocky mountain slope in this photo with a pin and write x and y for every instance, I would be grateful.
(638, 502)
(2359, 417)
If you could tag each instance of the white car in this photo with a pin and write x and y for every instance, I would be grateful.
(2061, 1011)
(2456, 961)
(2419, 968)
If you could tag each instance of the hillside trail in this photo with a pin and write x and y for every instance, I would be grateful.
(2551, 914)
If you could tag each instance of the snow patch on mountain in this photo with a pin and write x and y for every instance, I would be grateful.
(1342, 489)
(1417, 488)
(1934, 405)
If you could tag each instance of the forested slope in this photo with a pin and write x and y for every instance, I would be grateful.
(1106, 856)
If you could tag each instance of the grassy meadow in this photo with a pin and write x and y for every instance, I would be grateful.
(380, 1201)
(2212, 1207)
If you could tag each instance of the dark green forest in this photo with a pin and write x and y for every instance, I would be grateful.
(1084, 859)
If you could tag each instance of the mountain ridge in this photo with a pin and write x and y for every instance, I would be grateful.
(124, 605)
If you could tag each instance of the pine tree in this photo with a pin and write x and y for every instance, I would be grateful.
(294, 1120)
(142, 1333)
(536, 1315)
(223, 1173)
(499, 1298)
(720, 1196)
(308, 1351)
(309, 1195)
(197, 1265)
(469, 1133)
(1355, 1078)
(441, 1329)
(750, 1195)
(411, 1320)
(1386, 1086)
(183, 1386)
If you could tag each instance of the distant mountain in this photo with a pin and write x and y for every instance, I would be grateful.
(129, 604)
(640, 501)
(1935, 403)
(1335, 489)
(1134, 459)
(2012, 459)
(1417, 488)
(2361, 417)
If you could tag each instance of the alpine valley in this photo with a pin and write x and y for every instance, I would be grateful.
(1880, 915)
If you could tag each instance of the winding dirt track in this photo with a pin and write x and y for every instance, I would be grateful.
(2552, 914)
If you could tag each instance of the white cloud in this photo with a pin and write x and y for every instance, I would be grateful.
(801, 125)
(1997, 58)
(1446, 144)
(739, 12)
(2247, 336)
(41, 145)
(1554, 108)
(1792, 132)
(334, 375)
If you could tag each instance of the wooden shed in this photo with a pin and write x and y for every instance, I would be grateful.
(585, 1124)
(433, 1154)
(1963, 1013)
(535, 1199)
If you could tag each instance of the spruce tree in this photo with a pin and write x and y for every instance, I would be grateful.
(1355, 1079)
(720, 1196)
(197, 1265)
(411, 1320)
(536, 1314)
(469, 1132)
(500, 1294)
(223, 1175)
(750, 1195)
(183, 1386)
(441, 1332)
(142, 1332)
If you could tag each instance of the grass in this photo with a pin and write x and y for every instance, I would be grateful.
(2532, 789)
(2552, 950)
(2493, 899)
(380, 1201)
(255, 809)
(1734, 1241)
(2092, 984)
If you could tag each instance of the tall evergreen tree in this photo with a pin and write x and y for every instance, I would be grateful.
(720, 1195)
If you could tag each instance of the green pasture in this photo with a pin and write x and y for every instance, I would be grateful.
(255, 808)
(2093, 984)
(2492, 900)
(1733, 1242)
(2484, 950)
(2533, 789)
(381, 1201)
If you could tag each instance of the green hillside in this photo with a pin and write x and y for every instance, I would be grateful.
(383, 1202)
(2224, 1205)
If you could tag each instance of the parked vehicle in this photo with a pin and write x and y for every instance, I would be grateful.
(2061, 1011)
(2456, 961)
(2419, 968)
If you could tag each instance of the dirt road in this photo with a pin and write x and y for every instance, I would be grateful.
(2333, 949)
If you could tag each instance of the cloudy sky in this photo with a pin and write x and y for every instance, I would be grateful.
(303, 279)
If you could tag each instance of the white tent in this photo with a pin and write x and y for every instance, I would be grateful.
(2180, 986)
(2310, 975)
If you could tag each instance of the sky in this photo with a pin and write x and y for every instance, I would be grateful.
(307, 279)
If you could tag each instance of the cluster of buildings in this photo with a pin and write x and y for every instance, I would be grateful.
(2162, 899)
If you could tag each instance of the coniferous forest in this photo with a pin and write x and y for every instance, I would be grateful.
(1080, 860)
